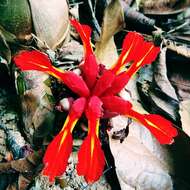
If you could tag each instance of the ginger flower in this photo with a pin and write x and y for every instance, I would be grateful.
(97, 95)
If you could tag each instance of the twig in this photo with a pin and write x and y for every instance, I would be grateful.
(178, 27)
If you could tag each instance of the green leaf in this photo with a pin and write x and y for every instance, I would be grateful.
(47, 82)
(21, 86)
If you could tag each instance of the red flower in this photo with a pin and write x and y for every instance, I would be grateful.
(90, 156)
(98, 92)
(58, 151)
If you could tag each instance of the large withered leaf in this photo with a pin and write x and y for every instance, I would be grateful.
(51, 22)
(179, 76)
(113, 22)
(156, 92)
(150, 165)
(37, 106)
(161, 78)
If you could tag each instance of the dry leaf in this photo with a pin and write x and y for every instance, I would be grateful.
(179, 49)
(22, 166)
(23, 182)
(113, 22)
(37, 108)
(51, 21)
(141, 162)
(161, 78)
(185, 115)
(161, 6)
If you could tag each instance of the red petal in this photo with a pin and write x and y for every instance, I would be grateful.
(90, 70)
(164, 127)
(33, 60)
(94, 108)
(91, 160)
(121, 80)
(58, 151)
(57, 155)
(116, 104)
(137, 50)
(103, 83)
(130, 45)
(161, 128)
(91, 157)
(75, 113)
(75, 83)
(85, 33)
(147, 55)
(118, 84)
(136, 46)
(90, 66)
(77, 107)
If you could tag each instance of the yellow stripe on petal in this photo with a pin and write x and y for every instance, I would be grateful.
(121, 64)
(125, 56)
(92, 146)
(67, 128)
(73, 125)
(155, 126)
(63, 137)
(140, 62)
(58, 70)
(54, 75)
(150, 123)
(69, 124)
(97, 127)
(147, 121)
(39, 65)
(66, 123)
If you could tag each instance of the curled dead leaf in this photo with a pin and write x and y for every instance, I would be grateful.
(113, 22)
